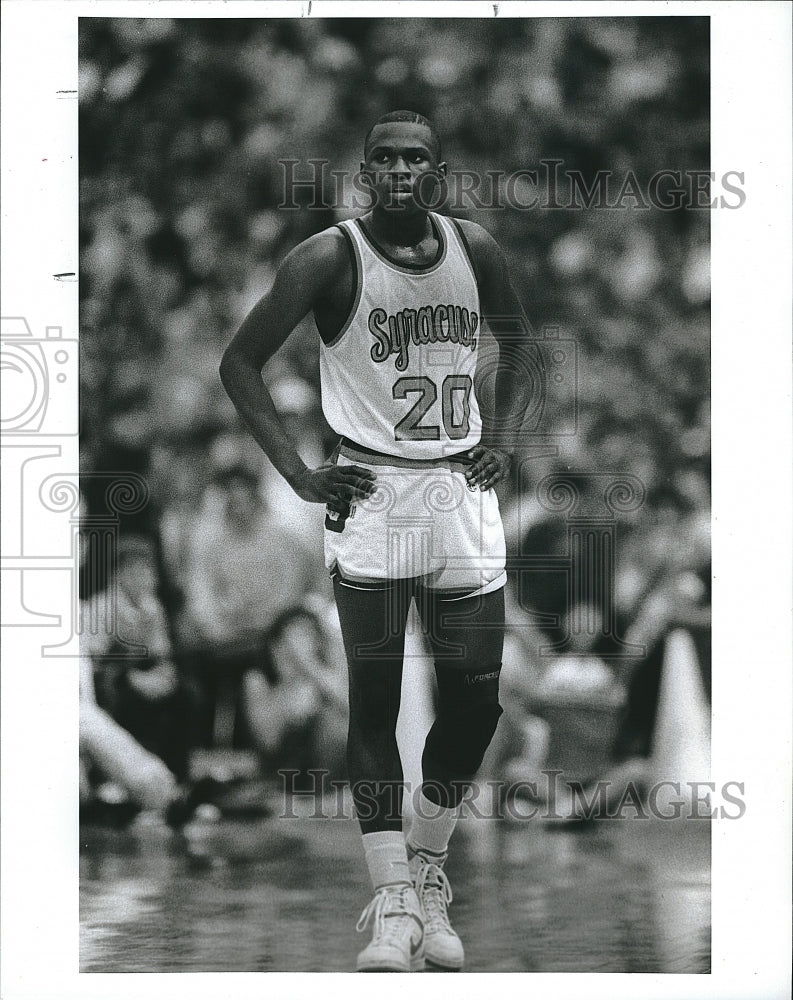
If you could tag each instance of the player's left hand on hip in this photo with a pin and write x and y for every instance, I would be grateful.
(489, 467)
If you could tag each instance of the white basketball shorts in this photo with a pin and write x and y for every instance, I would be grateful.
(422, 522)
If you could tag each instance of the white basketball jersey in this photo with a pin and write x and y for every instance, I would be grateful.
(398, 377)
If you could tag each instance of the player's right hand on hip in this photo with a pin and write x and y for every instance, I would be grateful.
(335, 485)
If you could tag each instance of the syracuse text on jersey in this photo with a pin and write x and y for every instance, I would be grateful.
(427, 325)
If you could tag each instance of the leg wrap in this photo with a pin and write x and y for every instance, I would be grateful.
(468, 714)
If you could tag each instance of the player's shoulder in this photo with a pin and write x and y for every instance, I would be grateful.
(323, 253)
(484, 250)
(328, 243)
(477, 236)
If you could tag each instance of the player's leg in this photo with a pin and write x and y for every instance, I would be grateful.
(467, 639)
(373, 629)
(467, 642)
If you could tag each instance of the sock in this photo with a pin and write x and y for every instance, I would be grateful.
(386, 858)
(432, 827)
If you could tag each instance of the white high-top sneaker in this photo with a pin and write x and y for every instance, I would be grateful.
(442, 946)
(397, 943)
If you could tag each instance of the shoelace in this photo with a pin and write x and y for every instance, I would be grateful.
(388, 901)
(434, 891)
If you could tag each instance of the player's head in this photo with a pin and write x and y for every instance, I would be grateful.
(402, 160)
(407, 118)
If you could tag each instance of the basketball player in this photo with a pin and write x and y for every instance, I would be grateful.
(398, 296)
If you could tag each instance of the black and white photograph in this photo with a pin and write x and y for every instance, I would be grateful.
(389, 428)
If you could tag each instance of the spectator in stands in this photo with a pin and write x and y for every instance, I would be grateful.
(246, 569)
(137, 681)
(119, 778)
(114, 768)
(295, 706)
(677, 596)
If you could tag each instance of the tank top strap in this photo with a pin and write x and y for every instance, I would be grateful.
(456, 241)
(350, 227)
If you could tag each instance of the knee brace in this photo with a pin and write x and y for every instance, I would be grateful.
(468, 713)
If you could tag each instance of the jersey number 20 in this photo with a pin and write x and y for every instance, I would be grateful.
(410, 427)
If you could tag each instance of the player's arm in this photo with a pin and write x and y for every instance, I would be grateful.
(503, 311)
(306, 275)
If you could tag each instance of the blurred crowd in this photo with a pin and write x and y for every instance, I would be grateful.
(220, 576)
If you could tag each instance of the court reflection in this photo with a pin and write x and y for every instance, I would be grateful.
(284, 895)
